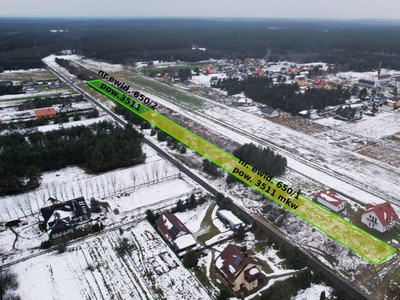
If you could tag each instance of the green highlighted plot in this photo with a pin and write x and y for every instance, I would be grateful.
(346, 233)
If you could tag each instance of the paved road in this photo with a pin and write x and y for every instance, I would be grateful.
(313, 263)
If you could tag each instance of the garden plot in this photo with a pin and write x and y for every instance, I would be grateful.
(164, 269)
(21, 75)
(92, 270)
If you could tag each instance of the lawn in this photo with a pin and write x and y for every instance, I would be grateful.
(167, 92)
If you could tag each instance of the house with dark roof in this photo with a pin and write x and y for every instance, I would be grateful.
(381, 217)
(238, 268)
(270, 112)
(331, 200)
(175, 232)
(61, 217)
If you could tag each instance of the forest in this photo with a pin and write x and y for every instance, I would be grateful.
(284, 96)
(97, 148)
(263, 159)
(351, 45)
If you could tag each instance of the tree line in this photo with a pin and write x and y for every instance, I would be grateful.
(98, 147)
(350, 45)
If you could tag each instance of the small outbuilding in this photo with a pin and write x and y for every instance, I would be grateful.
(331, 200)
(228, 217)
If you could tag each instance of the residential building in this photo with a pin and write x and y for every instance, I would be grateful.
(242, 101)
(300, 80)
(175, 232)
(61, 217)
(381, 217)
(331, 200)
(368, 83)
(45, 112)
(229, 218)
(238, 268)
(270, 112)
(384, 78)
(319, 83)
(6, 83)
(53, 84)
(31, 90)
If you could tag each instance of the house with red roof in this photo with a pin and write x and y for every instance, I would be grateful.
(381, 217)
(175, 232)
(45, 112)
(294, 70)
(319, 83)
(238, 268)
(331, 200)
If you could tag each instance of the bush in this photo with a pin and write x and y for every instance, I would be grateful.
(9, 283)
(61, 248)
(116, 211)
(45, 245)
(77, 118)
(95, 206)
(151, 217)
(211, 168)
(190, 259)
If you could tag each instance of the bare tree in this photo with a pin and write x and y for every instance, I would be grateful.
(156, 170)
(91, 184)
(108, 183)
(54, 189)
(20, 205)
(64, 188)
(36, 199)
(5, 207)
(86, 189)
(42, 195)
(134, 176)
(73, 191)
(62, 192)
(113, 180)
(147, 174)
(97, 187)
(80, 188)
(103, 186)
(165, 167)
(28, 203)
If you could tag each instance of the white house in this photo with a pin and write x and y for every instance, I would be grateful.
(331, 200)
(381, 217)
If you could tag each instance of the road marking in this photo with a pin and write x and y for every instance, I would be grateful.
(358, 240)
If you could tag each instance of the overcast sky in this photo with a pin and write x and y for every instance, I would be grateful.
(338, 9)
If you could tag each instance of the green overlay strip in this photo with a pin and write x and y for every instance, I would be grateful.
(333, 225)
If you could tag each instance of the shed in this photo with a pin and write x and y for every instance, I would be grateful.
(233, 221)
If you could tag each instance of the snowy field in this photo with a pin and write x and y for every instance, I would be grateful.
(383, 124)
(151, 266)
(30, 95)
(204, 80)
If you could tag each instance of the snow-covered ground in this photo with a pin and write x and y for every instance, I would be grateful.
(314, 292)
(28, 95)
(373, 175)
(72, 182)
(111, 276)
(383, 124)
(204, 80)
(193, 218)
